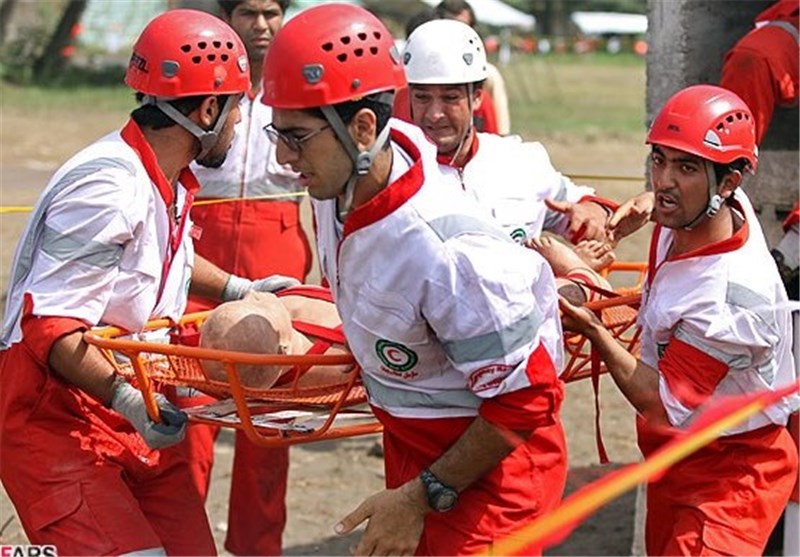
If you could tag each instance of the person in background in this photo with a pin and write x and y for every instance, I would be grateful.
(455, 327)
(714, 325)
(484, 115)
(512, 180)
(251, 237)
(462, 11)
(109, 244)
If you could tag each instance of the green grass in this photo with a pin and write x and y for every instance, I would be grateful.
(594, 95)
(82, 98)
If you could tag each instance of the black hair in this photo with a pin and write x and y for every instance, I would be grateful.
(423, 16)
(150, 116)
(348, 109)
(721, 170)
(452, 8)
(228, 6)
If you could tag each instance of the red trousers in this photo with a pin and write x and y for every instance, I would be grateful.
(82, 479)
(252, 239)
(725, 498)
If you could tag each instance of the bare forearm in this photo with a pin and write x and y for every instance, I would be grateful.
(83, 365)
(635, 379)
(481, 447)
(208, 280)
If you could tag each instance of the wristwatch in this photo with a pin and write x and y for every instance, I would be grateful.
(441, 497)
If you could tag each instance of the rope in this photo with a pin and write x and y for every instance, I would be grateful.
(201, 202)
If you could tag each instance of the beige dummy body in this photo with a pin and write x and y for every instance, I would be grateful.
(261, 323)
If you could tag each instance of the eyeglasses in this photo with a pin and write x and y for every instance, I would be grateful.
(293, 142)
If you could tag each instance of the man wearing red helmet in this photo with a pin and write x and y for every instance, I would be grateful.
(455, 327)
(714, 324)
(109, 243)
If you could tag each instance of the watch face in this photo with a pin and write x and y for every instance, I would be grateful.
(446, 500)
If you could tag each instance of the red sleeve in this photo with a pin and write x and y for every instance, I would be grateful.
(531, 407)
(39, 333)
(691, 374)
(602, 201)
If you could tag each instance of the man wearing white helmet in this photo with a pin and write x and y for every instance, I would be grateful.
(446, 66)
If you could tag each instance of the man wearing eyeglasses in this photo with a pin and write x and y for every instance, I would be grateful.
(455, 327)
(251, 228)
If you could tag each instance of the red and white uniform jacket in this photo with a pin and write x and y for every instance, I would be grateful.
(715, 322)
(510, 178)
(439, 307)
(108, 242)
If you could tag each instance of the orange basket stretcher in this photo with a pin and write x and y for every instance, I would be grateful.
(290, 414)
(618, 313)
(279, 416)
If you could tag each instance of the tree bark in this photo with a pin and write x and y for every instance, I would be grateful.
(6, 11)
(52, 62)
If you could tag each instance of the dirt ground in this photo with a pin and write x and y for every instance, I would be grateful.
(329, 479)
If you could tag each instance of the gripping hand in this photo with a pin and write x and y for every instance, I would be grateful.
(129, 402)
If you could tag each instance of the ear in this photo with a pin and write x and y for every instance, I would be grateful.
(477, 98)
(207, 112)
(729, 183)
(364, 128)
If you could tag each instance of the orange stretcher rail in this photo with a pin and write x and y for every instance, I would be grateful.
(278, 416)
(290, 413)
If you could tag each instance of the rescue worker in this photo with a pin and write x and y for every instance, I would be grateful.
(495, 85)
(512, 180)
(109, 243)
(714, 324)
(456, 328)
(250, 237)
(763, 67)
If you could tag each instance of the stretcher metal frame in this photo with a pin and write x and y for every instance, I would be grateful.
(152, 364)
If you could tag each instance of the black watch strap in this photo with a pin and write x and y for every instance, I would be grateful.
(441, 497)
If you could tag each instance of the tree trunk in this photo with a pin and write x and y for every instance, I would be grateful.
(52, 62)
(6, 11)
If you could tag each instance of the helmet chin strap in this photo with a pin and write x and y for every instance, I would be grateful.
(362, 160)
(715, 200)
(470, 91)
(207, 138)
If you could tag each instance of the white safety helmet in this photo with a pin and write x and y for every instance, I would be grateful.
(444, 52)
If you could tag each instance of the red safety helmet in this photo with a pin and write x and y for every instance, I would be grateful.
(330, 54)
(183, 53)
(707, 121)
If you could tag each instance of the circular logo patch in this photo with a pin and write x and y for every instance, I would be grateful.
(395, 356)
(518, 235)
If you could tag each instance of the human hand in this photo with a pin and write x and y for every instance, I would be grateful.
(631, 216)
(577, 319)
(598, 255)
(237, 287)
(394, 523)
(129, 402)
(587, 221)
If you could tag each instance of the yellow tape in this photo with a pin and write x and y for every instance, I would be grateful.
(586, 502)
(202, 202)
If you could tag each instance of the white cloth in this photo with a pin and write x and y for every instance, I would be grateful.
(251, 168)
(95, 246)
(439, 307)
(511, 178)
(732, 306)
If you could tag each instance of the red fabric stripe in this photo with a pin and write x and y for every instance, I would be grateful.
(393, 196)
(691, 374)
(40, 332)
(533, 406)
